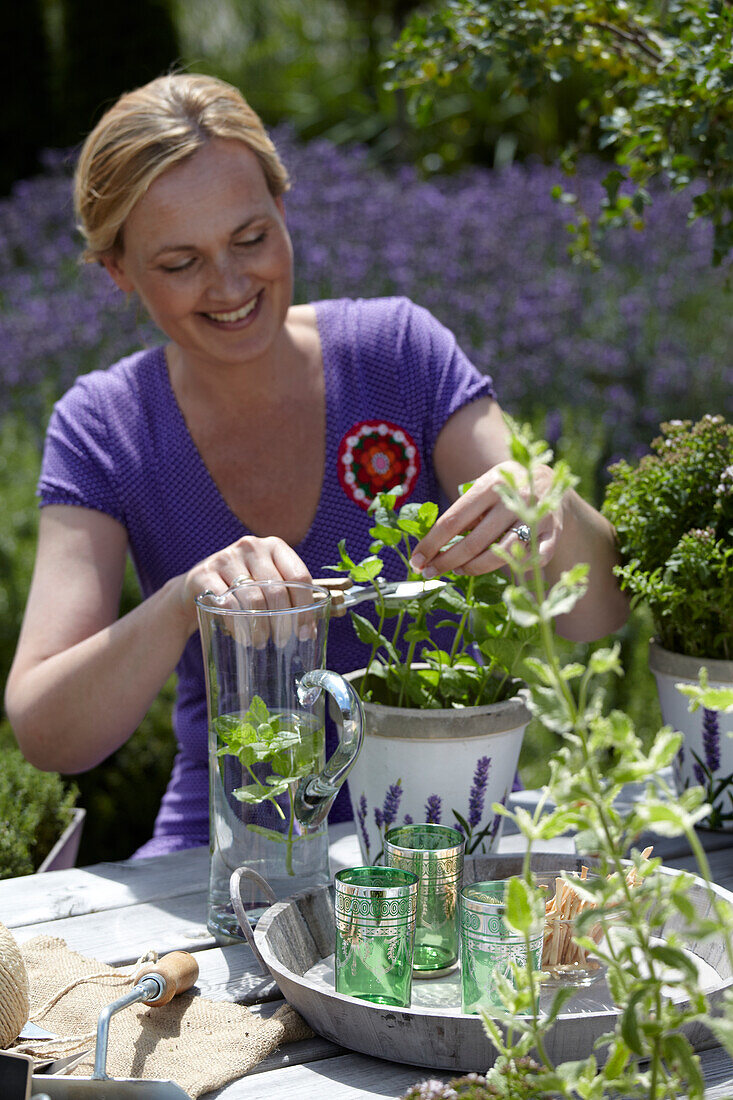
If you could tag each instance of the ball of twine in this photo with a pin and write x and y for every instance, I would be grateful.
(14, 994)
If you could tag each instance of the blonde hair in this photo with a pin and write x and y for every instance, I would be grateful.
(146, 132)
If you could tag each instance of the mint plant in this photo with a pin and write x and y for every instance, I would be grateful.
(673, 514)
(279, 740)
(479, 664)
(652, 926)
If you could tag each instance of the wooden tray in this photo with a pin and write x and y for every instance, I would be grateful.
(296, 940)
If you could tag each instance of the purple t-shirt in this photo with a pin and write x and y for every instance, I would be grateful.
(117, 442)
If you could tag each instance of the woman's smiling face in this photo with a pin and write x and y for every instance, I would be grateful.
(207, 251)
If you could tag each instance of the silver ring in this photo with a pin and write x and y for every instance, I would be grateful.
(206, 592)
(522, 532)
(240, 580)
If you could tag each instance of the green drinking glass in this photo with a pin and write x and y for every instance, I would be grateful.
(435, 854)
(489, 946)
(375, 911)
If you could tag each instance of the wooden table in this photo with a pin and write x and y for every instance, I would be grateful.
(116, 911)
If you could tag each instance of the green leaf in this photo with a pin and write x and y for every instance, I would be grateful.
(616, 1062)
(606, 660)
(522, 608)
(367, 570)
(679, 1053)
(518, 908)
(365, 630)
(540, 669)
(630, 1024)
(255, 793)
(390, 536)
(675, 958)
(268, 834)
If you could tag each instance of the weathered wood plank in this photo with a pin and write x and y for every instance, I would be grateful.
(349, 1077)
(35, 899)
(717, 1068)
(120, 936)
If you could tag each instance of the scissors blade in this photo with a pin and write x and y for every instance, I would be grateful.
(392, 591)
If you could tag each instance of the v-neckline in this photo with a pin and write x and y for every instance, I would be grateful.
(204, 469)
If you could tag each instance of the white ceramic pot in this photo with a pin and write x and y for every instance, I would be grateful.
(64, 852)
(706, 757)
(426, 765)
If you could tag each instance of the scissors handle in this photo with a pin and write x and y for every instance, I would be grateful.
(337, 587)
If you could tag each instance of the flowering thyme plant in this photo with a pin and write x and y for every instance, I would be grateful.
(653, 927)
(405, 668)
(674, 517)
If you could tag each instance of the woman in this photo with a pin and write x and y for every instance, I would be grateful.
(221, 455)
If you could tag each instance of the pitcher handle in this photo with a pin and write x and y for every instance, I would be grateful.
(316, 793)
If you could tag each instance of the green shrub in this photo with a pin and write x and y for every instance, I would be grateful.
(35, 808)
(122, 795)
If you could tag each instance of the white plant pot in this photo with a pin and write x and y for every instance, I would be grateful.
(706, 756)
(64, 852)
(436, 754)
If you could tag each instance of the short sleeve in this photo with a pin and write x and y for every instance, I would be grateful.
(78, 466)
(452, 380)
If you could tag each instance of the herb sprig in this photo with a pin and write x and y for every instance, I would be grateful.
(478, 665)
(259, 737)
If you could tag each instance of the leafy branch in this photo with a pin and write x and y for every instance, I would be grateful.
(658, 85)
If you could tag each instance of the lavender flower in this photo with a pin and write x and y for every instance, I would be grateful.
(478, 791)
(433, 810)
(711, 738)
(392, 803)
(497, 819)
(699, 774)
(408, 820)
(378, 818)
(518, 306)
(361, 815)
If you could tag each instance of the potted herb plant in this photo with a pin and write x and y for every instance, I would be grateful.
(673, 512)
(445, 710)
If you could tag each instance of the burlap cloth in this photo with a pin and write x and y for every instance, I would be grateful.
(200, 1044)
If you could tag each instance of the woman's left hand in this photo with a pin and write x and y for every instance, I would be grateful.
(482, 518)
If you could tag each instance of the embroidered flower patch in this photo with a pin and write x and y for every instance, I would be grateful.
(376, 456)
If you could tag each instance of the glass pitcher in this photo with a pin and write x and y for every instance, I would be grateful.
(270, 788)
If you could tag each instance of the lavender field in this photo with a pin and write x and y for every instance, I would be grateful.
(610, 353)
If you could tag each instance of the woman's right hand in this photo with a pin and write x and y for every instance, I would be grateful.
(249, 558)
(83, 678)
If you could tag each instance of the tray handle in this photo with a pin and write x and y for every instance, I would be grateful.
(235, 890)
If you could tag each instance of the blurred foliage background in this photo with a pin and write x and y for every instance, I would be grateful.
(311, 68)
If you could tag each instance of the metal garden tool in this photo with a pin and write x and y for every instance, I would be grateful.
(345, 595)
(155, 984)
